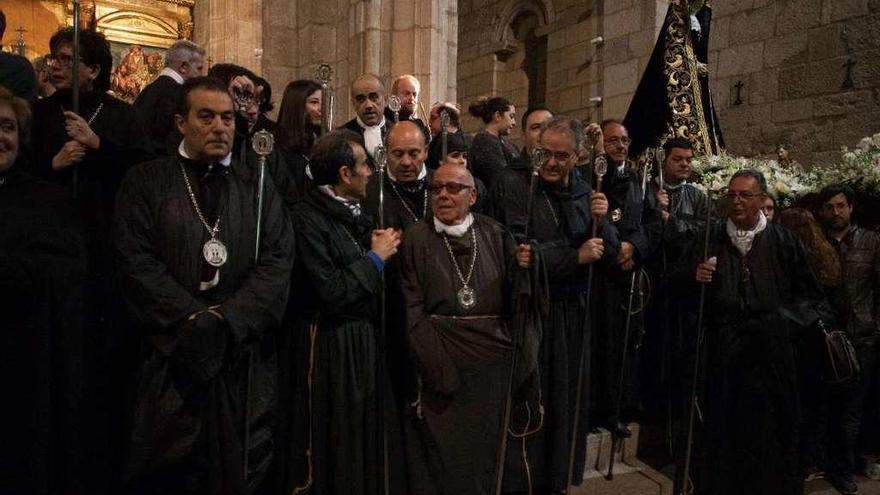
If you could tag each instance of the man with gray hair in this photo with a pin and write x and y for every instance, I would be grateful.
(158, 100)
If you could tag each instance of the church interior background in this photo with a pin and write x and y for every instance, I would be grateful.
(804, 74)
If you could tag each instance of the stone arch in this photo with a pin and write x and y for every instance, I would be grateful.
(502, 30)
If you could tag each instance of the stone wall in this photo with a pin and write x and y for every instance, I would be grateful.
(384, 37)
(780, 74)
(577, 70)
(801, 73)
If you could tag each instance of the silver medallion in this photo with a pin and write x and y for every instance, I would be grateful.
(214, 252)
(467, 297)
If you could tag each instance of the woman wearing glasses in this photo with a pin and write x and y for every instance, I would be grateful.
(88, 152)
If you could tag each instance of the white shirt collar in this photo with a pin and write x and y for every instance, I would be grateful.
(422, 174)
(225, 161)
(454, 230)
(743, 239)
(168, 71)
(353, 206)
(365, 126)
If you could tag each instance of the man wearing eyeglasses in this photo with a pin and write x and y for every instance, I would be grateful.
(458, 269)
(559, 229)
(638, 222)
(760, 291)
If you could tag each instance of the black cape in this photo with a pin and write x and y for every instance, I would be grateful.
(488, 155)
(336, 435)
(156, 105)
(187, 431)
(48, 432)
(751, 402)
(560, 222)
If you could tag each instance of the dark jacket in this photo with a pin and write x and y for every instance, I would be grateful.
(859, 253)
(156, 105)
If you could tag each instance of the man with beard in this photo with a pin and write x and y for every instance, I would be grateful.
(666, 366)
(638, 223)
(368, 100)
(560, 232)
(457, 281)
(207, 299)
(341, 258)
(859, 253)
(760, 283)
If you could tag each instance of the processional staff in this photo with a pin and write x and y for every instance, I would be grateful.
(600, 168)
(324, 75)
(75, 87)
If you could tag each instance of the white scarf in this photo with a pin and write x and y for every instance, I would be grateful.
(454, 230)
(372, 135)
(352, 205)
(743, 239)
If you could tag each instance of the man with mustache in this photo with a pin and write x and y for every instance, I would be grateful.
(369, 102)
(208, 302)
(760, 288)
(458, 270)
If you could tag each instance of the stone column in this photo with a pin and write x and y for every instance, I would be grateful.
(231, 31)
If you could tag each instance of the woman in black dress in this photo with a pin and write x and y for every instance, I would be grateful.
(490, 152)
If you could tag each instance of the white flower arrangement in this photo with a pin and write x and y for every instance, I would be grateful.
(858, 167)
(784, 183)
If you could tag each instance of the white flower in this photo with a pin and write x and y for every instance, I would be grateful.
(782, 188)
(865, 144)
(849, 156)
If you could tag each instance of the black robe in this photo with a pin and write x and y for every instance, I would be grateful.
(639, 222)
(338, 416)
(187, 431)
(123, 144)
(463, 357)
(488, 155)
(667, 364)
(751, 400)
(560, 223)
(156, 104)
(47, 433)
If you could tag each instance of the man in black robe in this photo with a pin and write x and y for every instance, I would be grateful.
(42, 268)
(341, 259)
(760, 281)
(564, 208)
(157, 102)
(457, 276)
(407, 89)
(638, 223)
(666, 366)
(368, 100)
(207, 299)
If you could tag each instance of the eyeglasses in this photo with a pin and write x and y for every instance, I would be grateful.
(615, 141)
(560, 156)
(745, 196)
(457, 154)
(452, 187)
(62, 61)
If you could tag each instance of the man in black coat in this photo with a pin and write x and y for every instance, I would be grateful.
(368, 100)
(158, 101)
(207, 299)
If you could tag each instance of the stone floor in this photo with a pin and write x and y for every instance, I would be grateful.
(821, 487)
